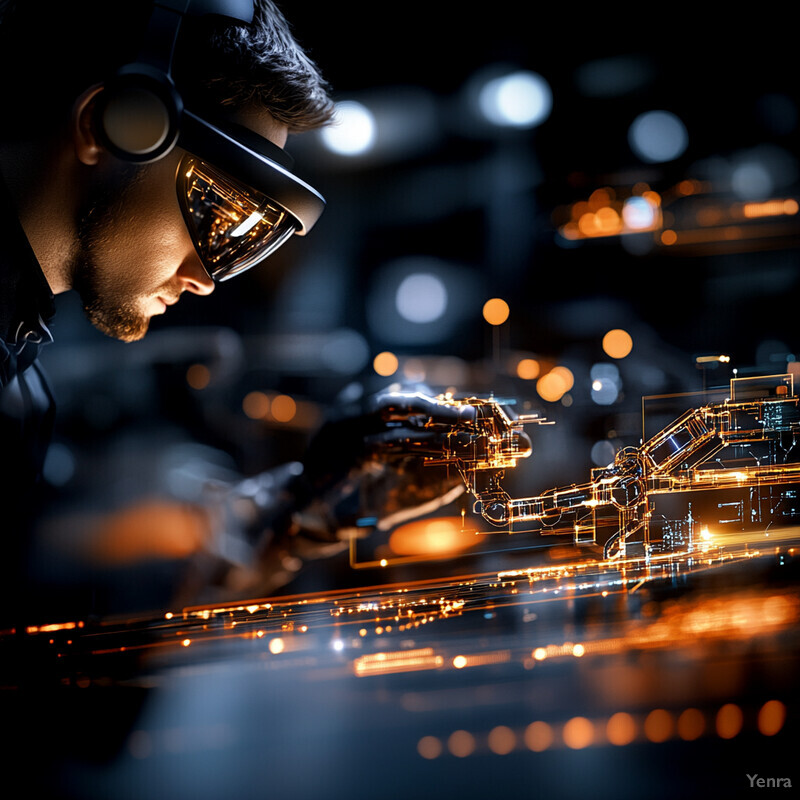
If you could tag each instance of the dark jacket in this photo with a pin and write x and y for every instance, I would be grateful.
(26, 403)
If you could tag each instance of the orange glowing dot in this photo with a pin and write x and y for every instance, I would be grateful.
(617, 343)
(528, 369)
(283, 408)
(578, 733)
(276, 646)
(538, 736)
(565, 376)
(669, 237)
(384, 562)
(790, 207)
(621, 729)
(502, 740)
(578, 650)
(255, 405)
(186, 642)
(686, 187)
(608, 220)
(385, 364)
(198, 376)
(540, 654)
(658, 725)
(729, 721)
(429, 747)
(691, 725)
(653, 197)
(362, 632)
(459, 662)
(771, 717)
(461, 743)
(588, 224)
(495, 311)
(551, 387)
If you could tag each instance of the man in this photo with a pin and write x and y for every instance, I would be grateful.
(142, 158)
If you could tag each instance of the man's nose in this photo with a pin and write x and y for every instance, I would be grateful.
(194, 278)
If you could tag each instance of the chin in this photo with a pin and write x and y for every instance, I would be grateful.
(119, 323)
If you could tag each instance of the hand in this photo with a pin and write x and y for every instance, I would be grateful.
(372, 466)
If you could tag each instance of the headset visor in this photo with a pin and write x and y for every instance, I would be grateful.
(233, 226)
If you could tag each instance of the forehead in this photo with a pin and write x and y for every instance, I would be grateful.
(260, 121)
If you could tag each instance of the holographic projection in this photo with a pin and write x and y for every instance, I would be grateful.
(721, 472)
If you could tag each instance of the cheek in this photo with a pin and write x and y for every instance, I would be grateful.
(153, 232)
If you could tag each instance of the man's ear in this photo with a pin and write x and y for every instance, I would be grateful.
(84, 138)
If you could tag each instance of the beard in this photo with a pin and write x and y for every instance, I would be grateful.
(105, 302)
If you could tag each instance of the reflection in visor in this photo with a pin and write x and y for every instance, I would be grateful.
(233, 227)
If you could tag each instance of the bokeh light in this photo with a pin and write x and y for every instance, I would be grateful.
(502, 740)
(729, 721)
(617, 343)
(602, 453)
(528, 369)
(353, 130)
(283, 408)
(385, 363)
(538, 736)
(658, 136)
(621, 729)
(429, 747)
(578, 733)
(495, 311)
(520, 99)
(691, 724)
(771, 717)
(658, 725)
(461, 743)
(421, 297)
(256, 405)
(639, 213)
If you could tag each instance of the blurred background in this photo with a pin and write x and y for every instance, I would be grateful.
(566, 210)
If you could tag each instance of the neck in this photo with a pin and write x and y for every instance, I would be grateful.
(42, 191)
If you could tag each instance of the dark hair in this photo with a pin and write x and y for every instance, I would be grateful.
(52, 50)
(259, 63)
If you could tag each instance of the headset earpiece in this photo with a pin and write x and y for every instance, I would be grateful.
(138, 113)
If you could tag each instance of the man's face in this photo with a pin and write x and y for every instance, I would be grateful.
(135, 256)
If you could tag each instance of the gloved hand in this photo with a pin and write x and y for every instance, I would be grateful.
(369, 467)
(372, 466)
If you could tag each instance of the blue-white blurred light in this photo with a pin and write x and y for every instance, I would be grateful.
(658, 136)
(345, 351)
(606, 384)
(353, 130)
(421, 297)
(638, 213)
(602, 453)
(752, 181)
(518, 100)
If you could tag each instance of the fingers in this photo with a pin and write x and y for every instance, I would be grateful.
(415, 406)
(406, 441)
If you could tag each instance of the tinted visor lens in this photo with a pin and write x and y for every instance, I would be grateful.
(233, 226)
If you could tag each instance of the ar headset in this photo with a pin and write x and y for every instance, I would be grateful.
(234, 222)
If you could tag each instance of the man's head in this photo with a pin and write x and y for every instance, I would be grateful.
(125, 244)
